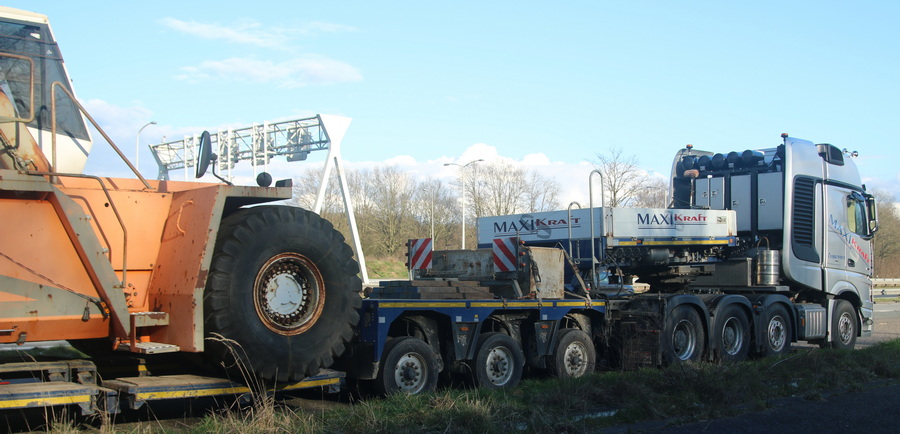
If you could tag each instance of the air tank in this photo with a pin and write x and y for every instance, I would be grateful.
(733, 159)
(751, 158)
(718, 161)
(768, 263)
(704, 162)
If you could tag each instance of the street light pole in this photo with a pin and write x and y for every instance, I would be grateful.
(137, 146)
(432, 217)
(432, 212)
(463, 166)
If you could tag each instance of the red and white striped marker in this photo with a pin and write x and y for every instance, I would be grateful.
(505, 254)
(420, 253)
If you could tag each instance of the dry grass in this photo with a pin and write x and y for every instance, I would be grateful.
(679, 393)
(386, 268)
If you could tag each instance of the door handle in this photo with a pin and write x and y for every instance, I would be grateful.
(851, 263)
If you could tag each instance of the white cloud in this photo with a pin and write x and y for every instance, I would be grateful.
(572, 178)
(246, 32)
(536, 160)
(401, 160)
(295, 71)
(117, 121)
(251, 32)
(123, 122)
(291, 73)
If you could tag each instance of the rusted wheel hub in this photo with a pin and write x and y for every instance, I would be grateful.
(289, 294)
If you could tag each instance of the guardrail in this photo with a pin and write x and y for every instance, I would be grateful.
(886, 283)
(886, 286)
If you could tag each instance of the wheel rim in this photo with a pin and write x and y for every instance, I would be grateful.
(684, 340)
(498, 365)
(289, 294)
(845, 328)
(411, 374)
(777, 333)
(732, 336)
(575, 359)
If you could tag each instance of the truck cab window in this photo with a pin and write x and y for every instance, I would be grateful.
(856, 214)
(35, 41)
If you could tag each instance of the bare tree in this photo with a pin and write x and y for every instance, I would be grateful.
(623, 180)
(306, 186)
(392, 193)
(542, 193)
(501, 188)
(496, 189)
(653, 195)
(887, 239)
(436, 206)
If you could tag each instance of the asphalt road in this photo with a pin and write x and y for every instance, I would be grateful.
(887, 324)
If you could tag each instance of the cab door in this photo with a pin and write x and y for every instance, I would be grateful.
(848, 246)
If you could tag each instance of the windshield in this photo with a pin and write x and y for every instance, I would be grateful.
(34, 41)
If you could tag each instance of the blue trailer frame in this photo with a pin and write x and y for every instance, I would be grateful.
(465, 317)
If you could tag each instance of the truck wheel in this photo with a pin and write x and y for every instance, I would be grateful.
(777, 332)
(733, 328)
(574, 355)
(408, 366)
(684, 336)
(498, 362)
(843, 325)
(282, 293)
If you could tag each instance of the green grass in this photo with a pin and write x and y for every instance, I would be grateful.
(389, 268)
(679, 394)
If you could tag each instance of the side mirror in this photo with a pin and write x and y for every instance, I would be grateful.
(872, 209)
(204, 154)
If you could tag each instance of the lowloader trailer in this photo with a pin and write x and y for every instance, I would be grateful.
(757, 250)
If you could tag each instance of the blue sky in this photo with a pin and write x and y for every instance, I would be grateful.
(547, 85)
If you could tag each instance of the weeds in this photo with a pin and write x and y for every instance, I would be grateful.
(387, 269)
(680, 393)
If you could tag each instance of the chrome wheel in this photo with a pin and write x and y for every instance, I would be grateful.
(733, 336)
(498, 365)
(684, 340)
(777, 333)
(410, 373)
(575, 359)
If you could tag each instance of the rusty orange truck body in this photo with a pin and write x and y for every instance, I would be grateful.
(127, 265)
(106, 257)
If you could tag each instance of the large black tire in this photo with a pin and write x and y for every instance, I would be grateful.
(732, 334)
(499, 361)
(574, 355)
(282, 292)
(776, 332)
(408, 366)
(843, 325)
(684, 336)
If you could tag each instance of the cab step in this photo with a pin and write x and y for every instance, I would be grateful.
(149, 348)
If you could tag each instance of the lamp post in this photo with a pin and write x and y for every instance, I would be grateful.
(432, 214)
(137, 146)
(463, 166)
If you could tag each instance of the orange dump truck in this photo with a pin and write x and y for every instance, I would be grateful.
(135, 266)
